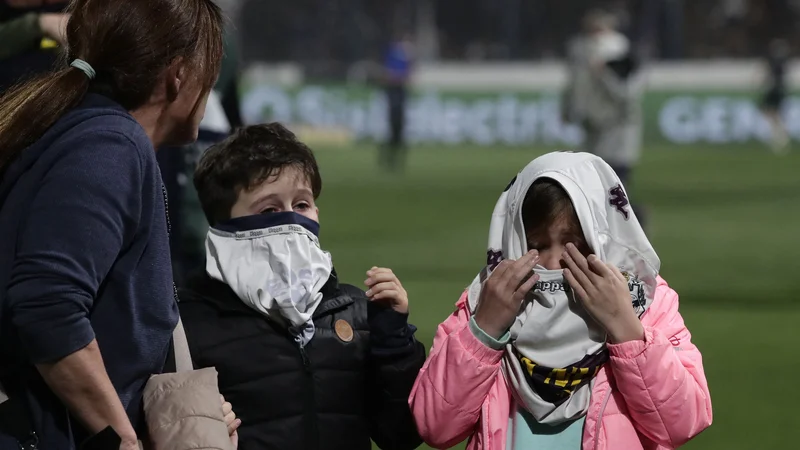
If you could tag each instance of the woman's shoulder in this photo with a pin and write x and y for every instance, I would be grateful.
(103, 128)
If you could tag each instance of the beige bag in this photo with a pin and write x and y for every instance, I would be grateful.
(183, 409)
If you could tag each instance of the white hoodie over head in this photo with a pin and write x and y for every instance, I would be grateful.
(553, 330)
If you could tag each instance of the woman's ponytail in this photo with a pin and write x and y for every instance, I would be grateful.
(31, 108)
(129, 43)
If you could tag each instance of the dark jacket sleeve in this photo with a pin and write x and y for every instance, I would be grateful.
(396, 359)
(86, 208)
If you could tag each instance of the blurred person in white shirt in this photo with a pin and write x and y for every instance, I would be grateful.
(603, 93)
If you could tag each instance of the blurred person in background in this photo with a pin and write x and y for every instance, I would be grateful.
(228, 82)
(25, 32)
(603, 94)
(222, 114)
(397, 67)
(776, 67)
(568, 338)
(30, 31)
(88, 301)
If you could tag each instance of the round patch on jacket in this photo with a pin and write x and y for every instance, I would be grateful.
(343, 330)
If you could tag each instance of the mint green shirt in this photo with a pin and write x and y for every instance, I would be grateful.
(524, 432)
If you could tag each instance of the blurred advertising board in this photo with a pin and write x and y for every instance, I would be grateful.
(443, 116)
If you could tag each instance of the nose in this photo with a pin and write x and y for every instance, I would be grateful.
(550, 258)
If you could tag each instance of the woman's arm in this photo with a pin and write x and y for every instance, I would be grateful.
(81, 382)
(84, 212)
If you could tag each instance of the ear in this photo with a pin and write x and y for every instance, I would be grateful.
(177, 75)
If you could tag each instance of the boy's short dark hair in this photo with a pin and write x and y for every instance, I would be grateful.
(245, 159)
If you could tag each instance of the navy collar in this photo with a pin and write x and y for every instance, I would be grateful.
(94, 100)
(262, 221)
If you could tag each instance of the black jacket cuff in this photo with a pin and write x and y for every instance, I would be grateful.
(390, 332)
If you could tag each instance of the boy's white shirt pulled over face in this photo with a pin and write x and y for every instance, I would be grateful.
(553, 329)
(269, 252)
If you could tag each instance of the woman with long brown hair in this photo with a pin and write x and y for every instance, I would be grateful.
(88, 304)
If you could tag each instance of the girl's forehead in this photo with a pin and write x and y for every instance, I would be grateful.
(563, 224)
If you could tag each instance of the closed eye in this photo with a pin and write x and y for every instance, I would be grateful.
(537, 246)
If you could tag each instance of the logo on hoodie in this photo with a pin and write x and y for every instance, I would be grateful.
(510, 184)
(619, 200)
(494, 258)
(638, 299)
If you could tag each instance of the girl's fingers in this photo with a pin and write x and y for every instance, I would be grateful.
(575, 285)
(524, 266)
(578, 275)
(528, 285)
(580, 260)
(614, 270)
(599, 267)
(499, 272)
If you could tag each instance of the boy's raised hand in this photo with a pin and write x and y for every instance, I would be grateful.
(383, 286)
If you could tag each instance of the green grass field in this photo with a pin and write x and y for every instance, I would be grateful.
(724, 222)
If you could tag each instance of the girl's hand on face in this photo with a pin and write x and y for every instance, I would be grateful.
(503, 292)
(604, 292)
(384, 286)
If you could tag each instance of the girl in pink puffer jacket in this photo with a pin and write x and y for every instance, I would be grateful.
(569, 338)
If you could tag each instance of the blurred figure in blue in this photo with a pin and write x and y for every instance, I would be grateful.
(775, 92)
(397, 67)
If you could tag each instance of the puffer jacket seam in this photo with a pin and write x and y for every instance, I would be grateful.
(655, 407)
(433, 387)
(185, 418)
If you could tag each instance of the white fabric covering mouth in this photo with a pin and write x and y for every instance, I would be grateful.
(274, 264)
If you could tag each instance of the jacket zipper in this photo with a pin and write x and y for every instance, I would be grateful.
(312, 438)
(600, 418)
